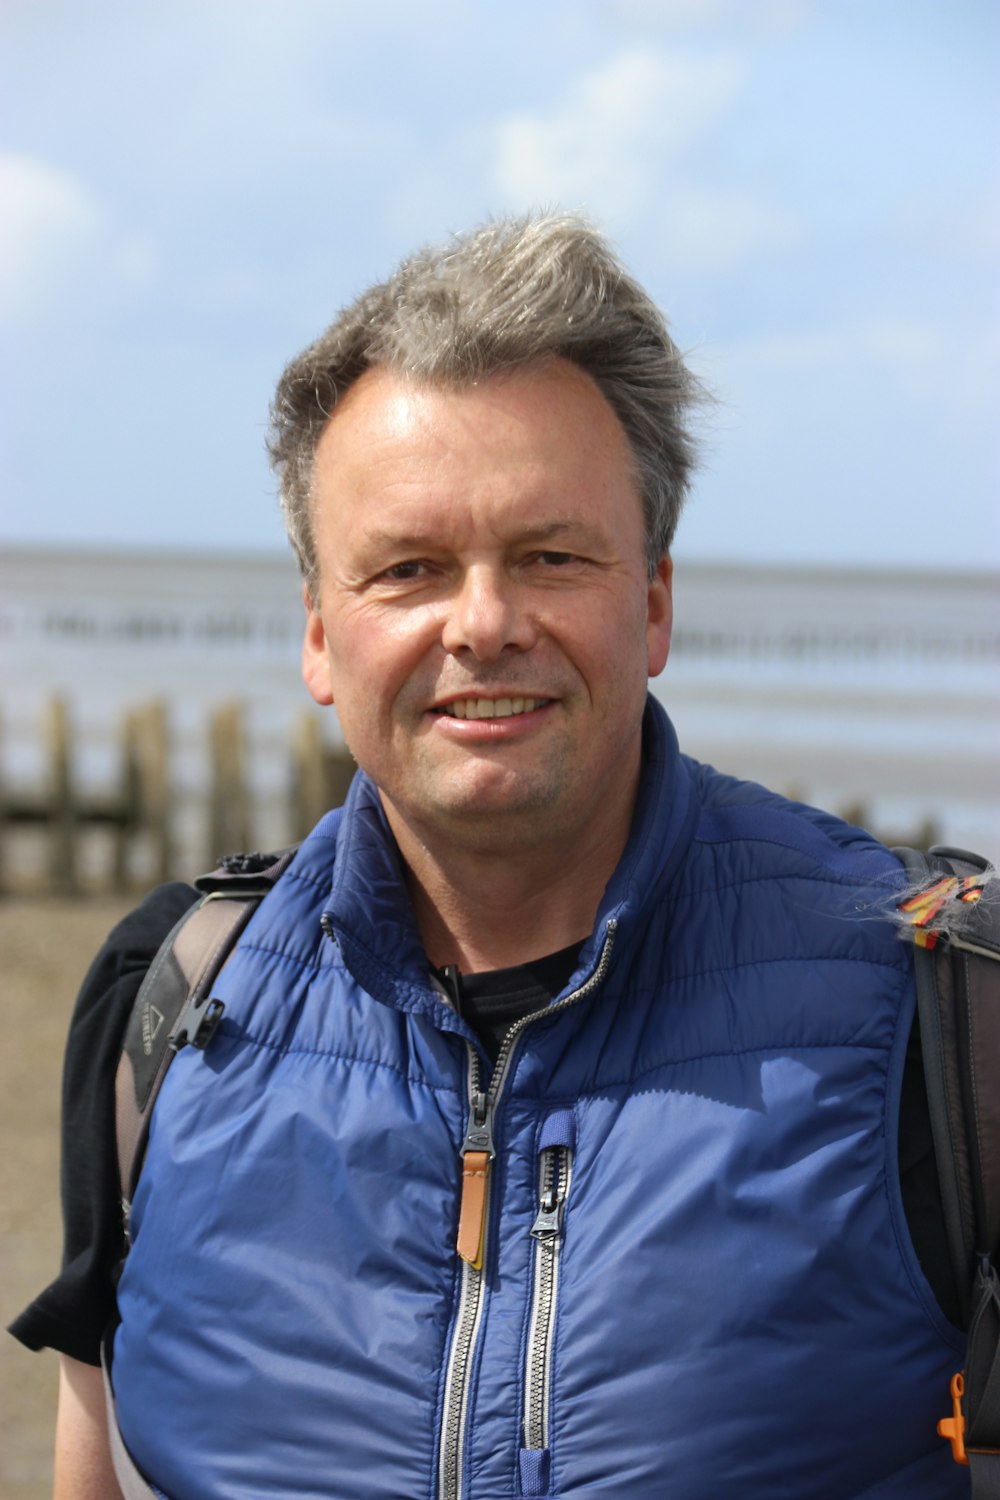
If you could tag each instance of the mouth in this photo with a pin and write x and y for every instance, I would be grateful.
(490, 708)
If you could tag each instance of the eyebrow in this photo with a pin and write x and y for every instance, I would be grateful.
(543, 531)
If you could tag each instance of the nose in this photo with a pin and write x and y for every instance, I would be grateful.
(487, 615)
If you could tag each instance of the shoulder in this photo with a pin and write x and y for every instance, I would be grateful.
(818, 884)
(760, 831)
(114, 977)
(137, 936)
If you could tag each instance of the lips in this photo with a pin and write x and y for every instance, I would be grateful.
(490, 708)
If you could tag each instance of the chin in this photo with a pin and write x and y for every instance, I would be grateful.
(514, 820)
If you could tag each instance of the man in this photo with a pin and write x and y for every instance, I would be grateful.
(548, 1143)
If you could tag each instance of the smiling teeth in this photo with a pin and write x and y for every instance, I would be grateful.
(491, 708)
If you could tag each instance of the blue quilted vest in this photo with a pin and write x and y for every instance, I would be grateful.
(696, 1277)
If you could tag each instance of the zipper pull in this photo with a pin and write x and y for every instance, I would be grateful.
(479, 1133)
(548, 1220)
(477, 1154)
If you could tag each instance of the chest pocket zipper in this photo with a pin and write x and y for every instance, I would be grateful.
(555, 1168)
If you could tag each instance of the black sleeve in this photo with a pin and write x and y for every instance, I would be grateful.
(72, 1313)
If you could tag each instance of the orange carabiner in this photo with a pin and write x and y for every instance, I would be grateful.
(953, 1427)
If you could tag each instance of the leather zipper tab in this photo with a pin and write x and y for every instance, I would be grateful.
(477, 1153)
(472, 1213)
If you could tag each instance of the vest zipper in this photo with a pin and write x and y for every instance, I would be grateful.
(473, 1217)
(478, 1142)
(547, 1232)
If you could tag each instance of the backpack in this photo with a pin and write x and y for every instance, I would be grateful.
(952, 913)
(953, 916)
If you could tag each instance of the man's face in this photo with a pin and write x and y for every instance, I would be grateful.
(485, 622)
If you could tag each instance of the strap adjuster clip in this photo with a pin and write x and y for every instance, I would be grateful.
(953, 1428)
(198, 1023)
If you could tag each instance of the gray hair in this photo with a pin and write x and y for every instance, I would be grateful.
(514, 292)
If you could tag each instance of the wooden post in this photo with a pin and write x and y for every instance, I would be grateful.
(144, 811)
(63, 824)
(153, 765)
(128, 792)
(229, 817)
(320, 776)
(340, 769)
(307, 792)
(855, 812)
(4, 824)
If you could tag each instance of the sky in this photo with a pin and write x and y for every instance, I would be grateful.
(809, 188)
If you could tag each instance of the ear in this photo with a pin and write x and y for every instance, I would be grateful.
(659, 617)
(315, 657)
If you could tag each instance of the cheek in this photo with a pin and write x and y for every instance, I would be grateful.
(623, 633)
(609, 652)
(376, 656)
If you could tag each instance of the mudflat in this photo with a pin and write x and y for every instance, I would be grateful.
(46, 945)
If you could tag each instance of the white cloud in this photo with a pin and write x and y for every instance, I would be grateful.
(608, 141)
(48, 220)
(617, 144)
(55, 231)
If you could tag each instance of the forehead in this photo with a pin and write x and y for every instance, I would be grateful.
(540, 441)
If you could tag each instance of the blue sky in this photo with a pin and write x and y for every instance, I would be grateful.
(810, 188)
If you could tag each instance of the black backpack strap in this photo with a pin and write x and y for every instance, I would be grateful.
(955, 920)
(173, 1007)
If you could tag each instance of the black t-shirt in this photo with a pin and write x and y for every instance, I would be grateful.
(491, 1002)
(72, 1313)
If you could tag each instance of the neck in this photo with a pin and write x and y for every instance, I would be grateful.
(494, 904)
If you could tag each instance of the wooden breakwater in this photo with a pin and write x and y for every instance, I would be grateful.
(62, 832)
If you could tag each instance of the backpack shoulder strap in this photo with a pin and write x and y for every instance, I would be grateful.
(173, 1007)
(955, 918)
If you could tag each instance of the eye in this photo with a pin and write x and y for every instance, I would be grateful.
(557, 559)
(404, 572)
